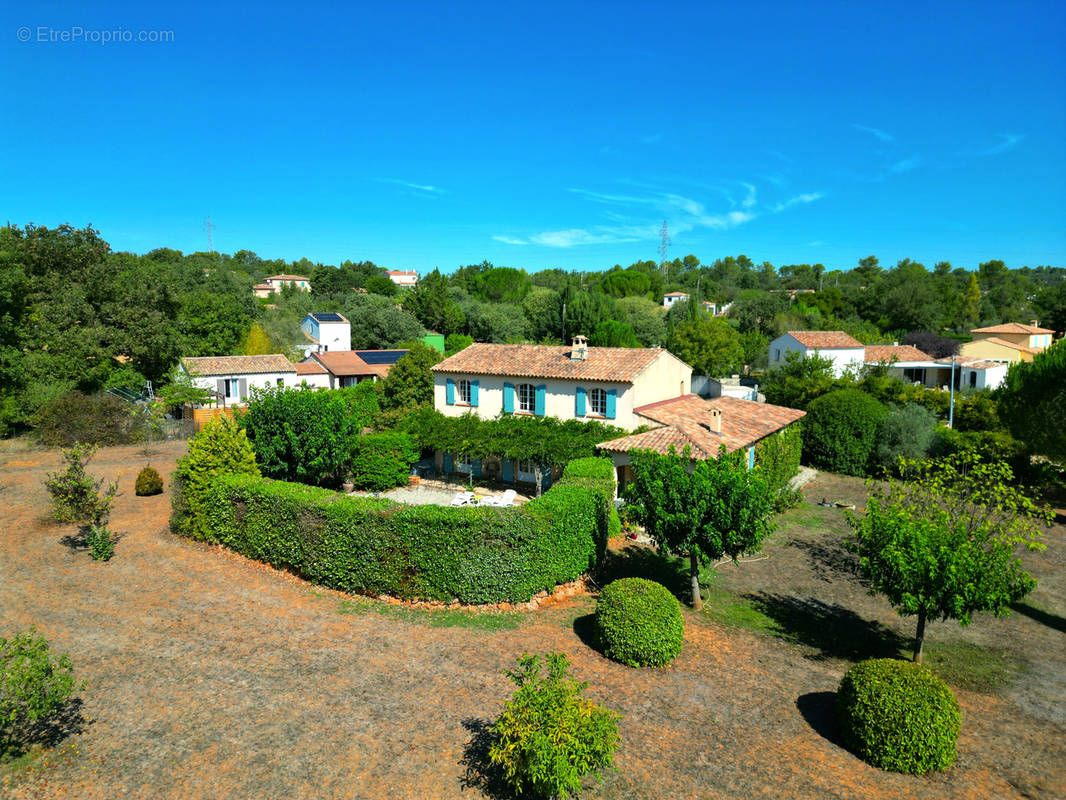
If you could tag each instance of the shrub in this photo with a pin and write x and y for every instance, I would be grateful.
(76, 496)
(382, 460)
(907, 432)
(898, 716)
(33, 686)
(840, 431)
(596, 474)
(148, 483)
(777, 457)
(639, 623)
(977, 411)
(220, 448)
(101, 543)
(97, 419)
(373, 546)
(363, 402)
(549, 737)
(304, 434)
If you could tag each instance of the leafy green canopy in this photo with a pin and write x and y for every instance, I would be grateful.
(1032, 400)
(549, 737)
(305, 434)
(898, 716)
(941, 544)
(703, 509)
(840, 431)
(410, 380)
(639, 623)
(33, 687)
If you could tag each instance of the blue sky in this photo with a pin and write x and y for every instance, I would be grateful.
(546, 134)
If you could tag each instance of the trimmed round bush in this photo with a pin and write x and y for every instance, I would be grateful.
(148, 483)
(381, 461)
(840, 431)
(639, 623)
(898, 716)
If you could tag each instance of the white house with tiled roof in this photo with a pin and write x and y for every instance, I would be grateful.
(275, 283)
(403, 277)
(234, 377)
(843, 350)
(566, 382)
(670, 298)
(704, 426)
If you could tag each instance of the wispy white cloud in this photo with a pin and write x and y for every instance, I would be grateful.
(884, 136)
(417, 187)
(636, 216)
(1010, 141)
(800, 199)
(906, 164)
(654, 138)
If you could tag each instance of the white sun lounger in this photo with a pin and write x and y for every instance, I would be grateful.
(462, 498)
(504, 500)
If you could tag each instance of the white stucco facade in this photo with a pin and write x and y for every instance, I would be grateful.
(843, 358)
(236, 388)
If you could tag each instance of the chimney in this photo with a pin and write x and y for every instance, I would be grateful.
(580, 349)
(716, 420)
(1036, 323)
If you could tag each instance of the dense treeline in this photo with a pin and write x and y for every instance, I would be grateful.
(75, 316)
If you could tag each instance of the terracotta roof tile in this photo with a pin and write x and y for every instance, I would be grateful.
(616, 364)
(686, 421)
(288, 278)
(310, 368)
(347, 363)
(826, 340)
(237, 365)
(1012, 345)
(1012, 327)
(888, 353)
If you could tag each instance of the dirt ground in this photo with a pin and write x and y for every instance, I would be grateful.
(210, 676)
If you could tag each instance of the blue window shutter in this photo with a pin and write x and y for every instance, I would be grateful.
(541, 400)
(612, 402)
(751, 458)
(507, 470)
(475, 467)
(546, 479)
(473, 392)
(449, 392)
(508, 398)
(579, 402)
(449, 464)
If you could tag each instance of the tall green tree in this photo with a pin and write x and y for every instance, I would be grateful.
(710, 345)
(410, 380)
(941, 545)
(702, 510)
(1032, 401)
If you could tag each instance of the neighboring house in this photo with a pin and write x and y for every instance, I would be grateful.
(313, 374)
(575, 382)
(843, 350)
(1009, 342)
(701, 425)
(979, 374)
(233, 377)
(671, 298)
(275, 283)
(350, 367)
(327, 331)
(402, 277)
(904, 362)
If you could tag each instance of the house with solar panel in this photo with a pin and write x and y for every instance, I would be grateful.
(340, 368)
(325, 331)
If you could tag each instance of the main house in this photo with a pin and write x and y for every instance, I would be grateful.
(575, 382)
(703, 426)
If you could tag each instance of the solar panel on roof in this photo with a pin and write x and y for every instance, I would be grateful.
(328, 316)
(381, 356)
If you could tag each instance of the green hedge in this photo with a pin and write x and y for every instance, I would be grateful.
(898, 715)
(840, 431)
(382, 461)
(596, 474)
(475, 555)
(777, 457)
(639, 623)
